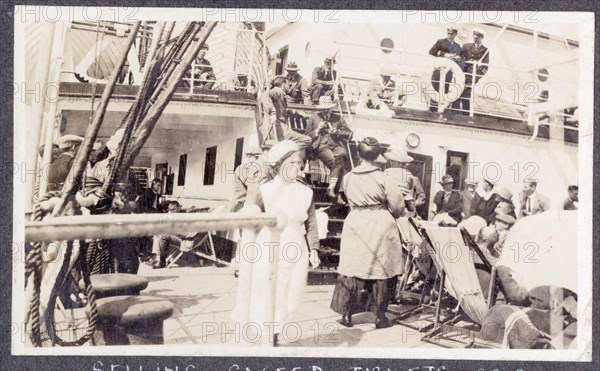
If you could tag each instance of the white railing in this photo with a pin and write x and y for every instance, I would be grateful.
(517, 87)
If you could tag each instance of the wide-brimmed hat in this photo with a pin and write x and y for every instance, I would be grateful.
(325, 105)
(385, 71)
(446, 179)
(471, 182)
(254, 151)
(68, 140)
(505, 218)
(330, 58)
(504, 193)
(489, 180)
(397, 153)
(292, 66)
(281, 150)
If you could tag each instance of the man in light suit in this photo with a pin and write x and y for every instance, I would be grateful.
(532, 202)
(471, 53)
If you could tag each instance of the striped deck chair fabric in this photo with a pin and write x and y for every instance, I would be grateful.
(454, 257)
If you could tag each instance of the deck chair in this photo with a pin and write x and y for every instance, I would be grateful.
(459, 279)
(412, 239)
(201, 245)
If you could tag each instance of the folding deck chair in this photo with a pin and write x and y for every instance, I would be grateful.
(412, 239)
(459, 278)
(201, 245)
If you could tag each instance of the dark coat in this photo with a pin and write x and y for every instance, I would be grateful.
(320, 75)
(485, 208)
(471, 53)
(147, 201)
(453, 207)
(443, 46)
(342, 132)
(58, 171)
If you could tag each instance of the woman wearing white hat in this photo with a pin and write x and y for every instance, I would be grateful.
(270, 288)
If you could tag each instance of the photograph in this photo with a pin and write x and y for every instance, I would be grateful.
(393, 184)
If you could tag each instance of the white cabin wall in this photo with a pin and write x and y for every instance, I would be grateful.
(195, 193)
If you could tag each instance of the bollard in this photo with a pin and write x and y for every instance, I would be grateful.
(131, 320)
(116, 284)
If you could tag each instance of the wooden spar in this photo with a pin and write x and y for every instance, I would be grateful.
(81, 159)
(151, 118)
(111, 226)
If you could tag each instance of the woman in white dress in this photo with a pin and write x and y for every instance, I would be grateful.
(273, 262)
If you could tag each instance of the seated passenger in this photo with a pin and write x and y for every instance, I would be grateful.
(296, 86)
(385, 88)
(330, 135)
(241, 81)
(163, 243)
(323, 81)
(447, 203)
(204, 76)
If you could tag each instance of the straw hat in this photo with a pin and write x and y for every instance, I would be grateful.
(398, 154)
(505, 218)
(504, 193)
(292, 66)
(446, 179)
(68, 140)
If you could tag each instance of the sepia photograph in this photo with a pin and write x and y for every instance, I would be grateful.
(302, 183)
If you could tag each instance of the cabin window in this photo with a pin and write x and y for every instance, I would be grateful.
(182, 168)
(239, 152)
(210, 164)
(542, 74)
(387, 45)
(457, 167)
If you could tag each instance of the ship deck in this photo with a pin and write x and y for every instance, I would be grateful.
(204, 297)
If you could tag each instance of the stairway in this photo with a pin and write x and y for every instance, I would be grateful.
(326, 273)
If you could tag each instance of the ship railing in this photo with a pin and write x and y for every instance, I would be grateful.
(503, 92)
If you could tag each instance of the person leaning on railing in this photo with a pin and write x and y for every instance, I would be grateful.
(472, 53)
(323, 80)
(445, 48)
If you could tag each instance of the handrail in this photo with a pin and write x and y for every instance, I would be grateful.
(138, 225)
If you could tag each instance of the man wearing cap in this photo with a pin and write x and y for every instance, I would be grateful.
(410, 185)
(571, 203)
(446, 48)
(532, 202)
(58, 171)
(329, 134)
(323, 80)
(204, 76)
(296, 88)
(472, 53)
(469, 198)
(447, 203)
(247, 177)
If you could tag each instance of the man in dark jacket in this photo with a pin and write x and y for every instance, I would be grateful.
(296, 86)
(448, 203)
(472, 53)
(330, 135)
(323, 80)
(446, 48)
(150, 200)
